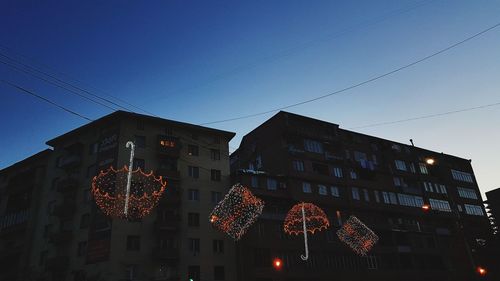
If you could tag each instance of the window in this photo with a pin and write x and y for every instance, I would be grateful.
(366, 195)
(306, 187)
(400, 165)
(140, 141)
(91, 170)
(169, 131)
(258, 162)
(393, 198)
(255, 181)
(193, 150)
(133, 243)
(467, 193)
(219, 273)
(216, 197)
(218, 246)
(272, 184)
(140, 125)
(473, 210)
(87, 198)
(193, 219)
(354, 175)
(313, 146)
(360, 156)
(355, 193)
(82, 249)
(194, 245)
(131, 271)
(410, 200)
(215, 175)
(371, 262)
(322, 190)
(461, 176)
(84, 221)
(440, 205)
(214, 154)
(385, 195)
(93, 148)
(193, 195)
(377, 196)
(298, 165)
(397, 181)
(334, 190)
(423, 168)
(412, 168)
(320, 169)
(139, 163)
(337, 172)
(194, 272)
(194, 172)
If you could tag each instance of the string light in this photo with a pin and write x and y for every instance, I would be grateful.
(236, 212)
(303, 218)
(357, 236)
(109, 192)
(316, 219)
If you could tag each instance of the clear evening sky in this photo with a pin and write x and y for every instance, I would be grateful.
(201, 61)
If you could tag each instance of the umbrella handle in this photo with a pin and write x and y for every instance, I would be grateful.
(306, 257)
(129, 175)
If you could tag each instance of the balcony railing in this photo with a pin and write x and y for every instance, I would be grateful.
(13, 220)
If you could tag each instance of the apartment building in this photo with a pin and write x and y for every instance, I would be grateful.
(291, 158)
(73, 240)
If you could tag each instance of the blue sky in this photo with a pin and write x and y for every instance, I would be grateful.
(200, 61)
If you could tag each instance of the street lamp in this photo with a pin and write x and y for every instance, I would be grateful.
(430, 161)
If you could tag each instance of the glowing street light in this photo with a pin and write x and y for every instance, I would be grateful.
(481, 271)
(430, 161)
(277, 263)
(426, 207)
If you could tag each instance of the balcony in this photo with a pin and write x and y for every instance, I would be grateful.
(169, 146)
(168, 174)
(67, 185)
(58, 264)
(14, 222)
(172, 196)
(69, 161)
(166, 254)
(61, 237)
(65, 210)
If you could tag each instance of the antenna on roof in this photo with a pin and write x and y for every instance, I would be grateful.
(412, 144)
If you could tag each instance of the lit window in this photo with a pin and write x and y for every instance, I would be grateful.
(423, 168)
(393, 198)
(400, 165)
(440, 205)
(322, 190)
(313, 146)
(461, 176)
(467, 193)
(298, 165)
(355, 193)
(334, 191)
(473, 210)
(377, 196)
(354, 175)
(306, 187)
(385, 195)
(337, 172)
(366, 195)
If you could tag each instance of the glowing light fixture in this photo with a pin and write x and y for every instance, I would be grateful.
(430, 161)
(357, 236)
(481, 271)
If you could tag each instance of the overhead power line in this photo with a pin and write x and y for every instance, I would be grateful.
(426, 116)
(360, 83)
(21, 89)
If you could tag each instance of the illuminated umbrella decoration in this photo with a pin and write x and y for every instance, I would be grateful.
(127, 193)
(357, 235)
(304, 217)
(236, 212)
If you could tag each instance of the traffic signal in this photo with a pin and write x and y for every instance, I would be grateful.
(277, 264)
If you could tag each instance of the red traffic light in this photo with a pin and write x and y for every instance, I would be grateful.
(481, 271)
(277, 263)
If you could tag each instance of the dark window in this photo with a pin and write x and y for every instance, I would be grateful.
(218, 246)
(219, 273)
(84, 221)
(82, 249)
(54, 183)
(140, 125)
(133, 243)
(193, 195)
(216, 197)
(91, 171)
(215, 175)
(194, 245)
(93, 148)
(215, 154)
(140, 141)
(194, 272)
(168, 163)
(320, 168)
(193, 150)
(194, 172)
(194, 219)
(168, 131)
(139, 163)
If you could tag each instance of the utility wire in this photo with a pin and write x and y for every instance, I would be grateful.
(15, 67)
(426, 116)
(33, 62)
(360, 83)
(19, 88)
